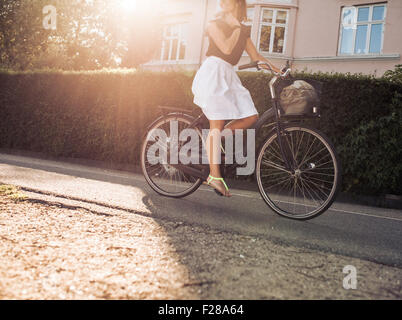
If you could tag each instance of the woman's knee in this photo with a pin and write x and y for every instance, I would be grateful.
(254, 118)
(216, 124)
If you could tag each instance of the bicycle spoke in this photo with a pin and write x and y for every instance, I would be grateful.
(278, 179)
(153, 170)
(290, 147)
(283, 186)
(320, 180)
(274, 155)
(308, 191)
(271, 164)
(282, 181)
(164, 178)
(318, 187)
(312, 190)
(272, 174)
(278, 151)
(298, 147)
(294, 196)
(301, 193)
(304, 198)
(322, 149)
(320, 173)
(307, 152)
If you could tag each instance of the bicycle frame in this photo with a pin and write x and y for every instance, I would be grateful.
(297, 169)
(273, 113)
(276, 111)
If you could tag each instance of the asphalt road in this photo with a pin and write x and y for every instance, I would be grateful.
(365, 232)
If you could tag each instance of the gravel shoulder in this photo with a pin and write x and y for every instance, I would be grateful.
(53, 251)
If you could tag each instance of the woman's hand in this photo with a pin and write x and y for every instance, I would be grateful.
(275, 69)
(255, 56)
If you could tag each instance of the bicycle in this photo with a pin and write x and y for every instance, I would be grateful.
(297, 169)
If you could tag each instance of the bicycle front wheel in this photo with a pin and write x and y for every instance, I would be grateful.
(310, 187)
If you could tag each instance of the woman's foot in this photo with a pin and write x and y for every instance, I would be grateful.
(218, 184)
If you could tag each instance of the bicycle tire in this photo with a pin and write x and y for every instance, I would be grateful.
(152, 183)
(306, 173)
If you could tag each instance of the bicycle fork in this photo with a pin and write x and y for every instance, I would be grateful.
(287, 154)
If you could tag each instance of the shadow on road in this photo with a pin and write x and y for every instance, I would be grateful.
(237, 248)
(227, 262)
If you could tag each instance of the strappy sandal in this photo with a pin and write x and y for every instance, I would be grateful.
(211, 178)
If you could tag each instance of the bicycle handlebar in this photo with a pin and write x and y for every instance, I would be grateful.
(253, 64)
(257, 64)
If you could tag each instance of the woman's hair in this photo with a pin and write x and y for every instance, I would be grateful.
(241, 14)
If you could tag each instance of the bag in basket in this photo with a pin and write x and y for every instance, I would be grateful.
(298, 98)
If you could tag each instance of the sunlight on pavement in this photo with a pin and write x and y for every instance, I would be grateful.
(57, 253)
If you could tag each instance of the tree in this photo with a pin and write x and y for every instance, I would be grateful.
(395, 75)
(90, 34)
(22, 36)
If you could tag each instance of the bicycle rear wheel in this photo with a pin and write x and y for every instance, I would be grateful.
(311, 186)
(162, 177)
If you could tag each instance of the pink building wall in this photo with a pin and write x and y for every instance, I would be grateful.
(317, 36)
(312, 40)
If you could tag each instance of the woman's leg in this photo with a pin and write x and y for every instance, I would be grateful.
(213, 147)
(243, 123)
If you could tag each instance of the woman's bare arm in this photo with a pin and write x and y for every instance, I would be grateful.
(256, 56)
(226, 45)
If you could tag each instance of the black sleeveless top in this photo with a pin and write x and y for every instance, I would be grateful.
(238, 49)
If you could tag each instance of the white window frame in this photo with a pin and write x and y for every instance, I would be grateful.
(180, 37)
(251, 23)
(273, 27)
(369, 23)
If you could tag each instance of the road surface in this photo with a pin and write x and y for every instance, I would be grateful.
(370, 233)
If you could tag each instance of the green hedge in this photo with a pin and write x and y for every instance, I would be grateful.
(95, 115)
(102, 116)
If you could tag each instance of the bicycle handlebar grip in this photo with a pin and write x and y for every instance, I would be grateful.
(249, 65)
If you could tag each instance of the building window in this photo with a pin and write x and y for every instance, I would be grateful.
(250, 16)
(273, 30)
(362, 29)
(174, 42)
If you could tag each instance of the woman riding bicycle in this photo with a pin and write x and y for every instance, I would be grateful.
(217, 88)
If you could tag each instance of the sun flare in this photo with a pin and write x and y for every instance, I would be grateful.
(129, 5)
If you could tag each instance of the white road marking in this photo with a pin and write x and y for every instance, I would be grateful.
(330, 209)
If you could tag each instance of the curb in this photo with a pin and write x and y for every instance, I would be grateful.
(383, 201)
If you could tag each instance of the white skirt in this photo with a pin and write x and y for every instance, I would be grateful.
(219, 92)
